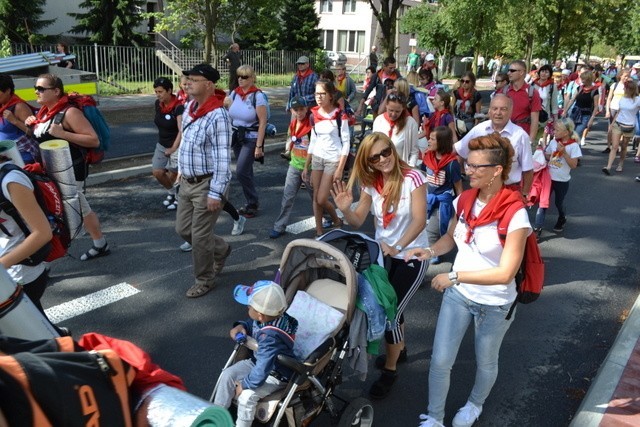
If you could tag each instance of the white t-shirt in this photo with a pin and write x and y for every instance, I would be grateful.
(21, 274)
(523, 159)
(406, 141)
(399, 224)
(326, 142)
(242, 112)
(627, 110)
(618, 93)
(483, 252)
(558, 167)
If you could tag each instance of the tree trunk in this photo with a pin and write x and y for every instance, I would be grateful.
(556, 32)
(529, 50)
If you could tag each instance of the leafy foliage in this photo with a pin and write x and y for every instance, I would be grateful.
(299, 29)
(20, 19)
(111, 22)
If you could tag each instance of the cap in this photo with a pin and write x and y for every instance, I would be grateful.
(298, 102)
(636, 65)
(566, 72)
(264, 296)
(430, 57)
(303, 60)
(204, 70)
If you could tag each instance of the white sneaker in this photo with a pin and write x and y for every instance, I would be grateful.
(429, 421)
(467, 415)
(173, 206)
(169, 200)
(186, 247)
(582, 142)
(238, 226)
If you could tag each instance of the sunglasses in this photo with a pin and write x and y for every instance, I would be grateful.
(500, 81)
(41, 89)
(512, 70)
(243, 77)
(465, 81)
(395, 97)
(376, 157)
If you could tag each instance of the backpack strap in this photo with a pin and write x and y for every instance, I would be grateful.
(503, 224)
(7, 206)
(338, 124)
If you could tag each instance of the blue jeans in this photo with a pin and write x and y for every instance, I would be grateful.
(560, 190)
(456, 313)
(291, 186)
(582, 124)
(244, 168)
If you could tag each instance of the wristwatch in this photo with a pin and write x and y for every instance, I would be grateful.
(453, 277)
(398, 248)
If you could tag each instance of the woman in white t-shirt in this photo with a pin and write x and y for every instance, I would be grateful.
(616, 92)
(481, 288)
(562, 155)
(397, 124)
(624, 124)
(396, 196)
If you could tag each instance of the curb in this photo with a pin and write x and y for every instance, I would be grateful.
(599, 395)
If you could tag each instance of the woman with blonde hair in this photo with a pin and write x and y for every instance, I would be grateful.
(624, 125)
(586, 99)
(396, 195)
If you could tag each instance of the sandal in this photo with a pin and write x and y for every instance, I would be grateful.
(95, 252)
(636, 159)
(605, 170)
(198, 290)
(619, 168)
(337, 225)
(382, 387)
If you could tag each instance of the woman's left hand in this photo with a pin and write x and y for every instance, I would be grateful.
(388, 250)
(441, 282)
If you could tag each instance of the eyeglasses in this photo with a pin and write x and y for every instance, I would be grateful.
(395, 97)
(465, 81)
(243, 77)
(499, 81)
(41, 89)
(376, 157)
(192, 80)
(513, 70)
(320, 94)
(471, 167)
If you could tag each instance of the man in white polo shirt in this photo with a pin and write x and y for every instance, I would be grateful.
(521, 175)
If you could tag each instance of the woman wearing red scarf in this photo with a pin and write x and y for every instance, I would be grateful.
(481, 287)
(468, 100)
(13, 112)
(549, 96)
(586, 100)
(56, 119)
(396, 194)
(248, 112)
(444, 183)
(168, 120)
(398, 125)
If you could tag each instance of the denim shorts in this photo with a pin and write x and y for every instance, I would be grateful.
(320, 164)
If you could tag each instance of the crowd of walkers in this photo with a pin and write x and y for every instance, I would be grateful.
(426, 141)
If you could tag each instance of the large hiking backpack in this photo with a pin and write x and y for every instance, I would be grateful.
(49, 198)
(530, 276)
(56, 383)
(89, 108)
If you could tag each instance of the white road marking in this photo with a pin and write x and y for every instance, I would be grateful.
(84, 304)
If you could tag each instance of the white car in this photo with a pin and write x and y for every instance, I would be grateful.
(334, 58)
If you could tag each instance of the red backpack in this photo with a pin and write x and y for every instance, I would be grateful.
(530, 276)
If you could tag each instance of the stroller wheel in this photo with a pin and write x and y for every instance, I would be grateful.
(357, 413)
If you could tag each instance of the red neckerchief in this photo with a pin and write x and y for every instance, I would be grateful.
(437, 116)
(543, 84)
(561, 86)
(298, 129)
(45, 113)
(464, 98)
(435, 164)
(378, 185)
(569, 142)
(303, 75)
(317, 117)
(494, 210)
(392, 124)
(15, 99)
(244, 94)
(182, 96)
(214, 101)
(588, 89)
(167, 108)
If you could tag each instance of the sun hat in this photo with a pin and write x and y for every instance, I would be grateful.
(264, 296)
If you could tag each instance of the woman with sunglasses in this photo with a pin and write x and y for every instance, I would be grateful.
(468, 100)
(396, 195)
(248, 112)
(328, 150)
(398, 125)
(481, 288)
(624, 124)
(57, 119)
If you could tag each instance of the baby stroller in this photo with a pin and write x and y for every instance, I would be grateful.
(320, 285)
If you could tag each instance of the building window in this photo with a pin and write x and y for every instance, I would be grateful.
(326, 6)
(326, 39)
(348, 6)
(351, 41)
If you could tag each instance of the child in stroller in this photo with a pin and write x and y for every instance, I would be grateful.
(274, 330)
(320, 286)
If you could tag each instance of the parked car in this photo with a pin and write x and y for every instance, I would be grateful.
(334, 58)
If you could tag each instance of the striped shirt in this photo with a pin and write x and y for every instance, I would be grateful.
(205, 148)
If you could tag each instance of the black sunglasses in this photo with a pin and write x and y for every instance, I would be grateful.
(243, 77)
(41, 89)
(395, 97)
(499, 81)
(512, 70)
(465, 81)
(376, 157)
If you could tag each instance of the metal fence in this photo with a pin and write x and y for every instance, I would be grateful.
(131, 69)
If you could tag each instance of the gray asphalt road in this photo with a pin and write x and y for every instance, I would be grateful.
(548, 358)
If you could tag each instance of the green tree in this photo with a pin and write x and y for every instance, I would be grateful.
(111, 22)
(387, 16)
(299, 28)
(20, 20)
